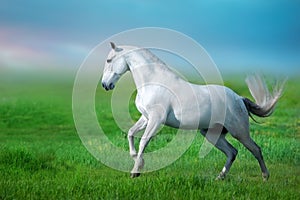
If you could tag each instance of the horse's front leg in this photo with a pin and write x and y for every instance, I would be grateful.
(138, 126)
(152, 126)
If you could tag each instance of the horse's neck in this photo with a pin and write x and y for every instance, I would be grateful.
(142, 57)
(147, 68)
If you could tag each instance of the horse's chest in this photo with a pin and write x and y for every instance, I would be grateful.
(152, 101)
(140, 105)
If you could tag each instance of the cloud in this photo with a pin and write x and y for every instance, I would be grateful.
(31, 49)
(13, 51)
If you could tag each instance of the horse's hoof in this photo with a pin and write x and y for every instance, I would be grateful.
(265, 176)
(220, 177)
(134, 175)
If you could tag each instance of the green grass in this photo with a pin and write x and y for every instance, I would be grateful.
(42, 157)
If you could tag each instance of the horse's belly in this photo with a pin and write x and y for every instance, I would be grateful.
(188, 120)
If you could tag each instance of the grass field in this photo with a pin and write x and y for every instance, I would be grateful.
(42, 157)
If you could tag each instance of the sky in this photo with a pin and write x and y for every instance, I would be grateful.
(239, 35)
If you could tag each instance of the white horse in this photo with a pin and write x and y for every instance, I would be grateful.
(165, 98)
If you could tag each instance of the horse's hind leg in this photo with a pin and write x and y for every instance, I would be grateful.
(256, 151)
(223, 145)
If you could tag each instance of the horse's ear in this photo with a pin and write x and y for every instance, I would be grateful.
(114, 47)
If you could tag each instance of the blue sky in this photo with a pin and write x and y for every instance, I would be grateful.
(239, 35)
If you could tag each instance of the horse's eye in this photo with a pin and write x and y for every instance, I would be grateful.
(108, 60)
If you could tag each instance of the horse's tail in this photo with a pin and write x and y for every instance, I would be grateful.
(265, 101)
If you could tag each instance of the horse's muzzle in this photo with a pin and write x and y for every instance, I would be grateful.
(108, 87)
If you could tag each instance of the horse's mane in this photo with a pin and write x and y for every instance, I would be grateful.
(152, 59)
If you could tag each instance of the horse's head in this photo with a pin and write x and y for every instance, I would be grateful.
(115, 67)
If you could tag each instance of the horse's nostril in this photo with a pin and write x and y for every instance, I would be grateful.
(111, 86)
(105, 86)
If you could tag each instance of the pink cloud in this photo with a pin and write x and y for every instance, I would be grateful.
(21, 48)
(14, 53)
